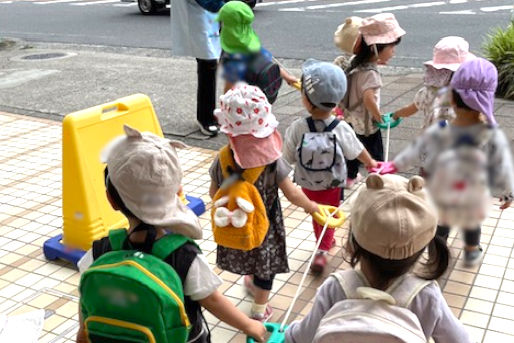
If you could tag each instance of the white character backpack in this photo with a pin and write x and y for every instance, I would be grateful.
(460, 179)
(321, 163)
(369, 315)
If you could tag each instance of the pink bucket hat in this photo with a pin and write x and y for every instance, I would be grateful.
(381, 28)
(449, 53)
(246, 117)
(476, 81)
(145, 170)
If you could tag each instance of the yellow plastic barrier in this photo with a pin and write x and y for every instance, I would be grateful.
(87, 214)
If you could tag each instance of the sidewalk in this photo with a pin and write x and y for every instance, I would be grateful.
(30, 213)
(87, 76)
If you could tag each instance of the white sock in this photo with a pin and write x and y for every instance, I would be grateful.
(258, 308)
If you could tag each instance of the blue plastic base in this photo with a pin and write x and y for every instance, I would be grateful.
(54, 249)
(196, 205)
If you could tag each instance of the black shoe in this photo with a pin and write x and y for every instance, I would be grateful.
(472, 257)
(210, 130)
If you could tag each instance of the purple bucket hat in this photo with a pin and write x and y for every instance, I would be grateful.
(476, 82)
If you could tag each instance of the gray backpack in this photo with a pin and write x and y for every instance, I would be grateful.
(321, 163)
(369, 315)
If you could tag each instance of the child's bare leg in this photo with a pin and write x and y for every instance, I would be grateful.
(261, 291)
(261, 296)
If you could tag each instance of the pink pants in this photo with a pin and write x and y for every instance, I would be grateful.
(330, 197)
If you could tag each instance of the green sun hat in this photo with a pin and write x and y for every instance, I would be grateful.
(237, 34)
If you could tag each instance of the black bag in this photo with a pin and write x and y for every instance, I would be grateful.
(265, 74)
(211, 5)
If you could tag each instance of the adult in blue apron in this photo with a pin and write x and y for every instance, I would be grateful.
(195, 32)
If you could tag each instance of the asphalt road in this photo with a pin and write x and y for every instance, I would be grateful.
(290, 29)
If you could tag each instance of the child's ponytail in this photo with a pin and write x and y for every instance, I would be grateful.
(438, 259)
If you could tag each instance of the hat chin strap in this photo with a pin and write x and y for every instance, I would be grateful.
(375, 50)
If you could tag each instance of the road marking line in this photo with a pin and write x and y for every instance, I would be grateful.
(404, 7)
(54, 2)
(316, 7)
(496, 8)
(94, 2)
(428, 4)
(458, 1)
(5, 2)
(459, 12)
(384, 9)
(286, 2)
(130, 4)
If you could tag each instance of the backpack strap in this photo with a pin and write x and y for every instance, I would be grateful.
(349, 281)
(117, 238)
(332, 125)
(406, 288)
(329, 128)
(166, 245)
(310, 124)
(227, 160)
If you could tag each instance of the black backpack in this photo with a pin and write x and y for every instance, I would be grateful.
(265, 74)
(211, 5)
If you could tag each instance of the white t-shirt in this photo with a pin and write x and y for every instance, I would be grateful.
(200, 281)
(348, 141)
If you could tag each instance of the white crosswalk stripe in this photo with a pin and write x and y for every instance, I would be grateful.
(496, 8)
(360, 7)
(88, 3)
(50, 2)
(380, 6)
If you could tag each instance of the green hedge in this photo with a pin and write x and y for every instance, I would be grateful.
(499, 49)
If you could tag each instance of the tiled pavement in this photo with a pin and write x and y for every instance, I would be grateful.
(30, 213)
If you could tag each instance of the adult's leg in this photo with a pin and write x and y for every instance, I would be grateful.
(206, 91)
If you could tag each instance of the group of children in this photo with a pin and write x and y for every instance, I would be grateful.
(394, 220)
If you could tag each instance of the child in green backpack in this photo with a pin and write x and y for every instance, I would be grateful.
(143, 177)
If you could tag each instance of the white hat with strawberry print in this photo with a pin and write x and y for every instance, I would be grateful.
(245, 110)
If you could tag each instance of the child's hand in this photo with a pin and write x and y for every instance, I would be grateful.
(312, 207)
(256, 330)
(505, 205)
(290, 79)
(383, 168)
(372, 165)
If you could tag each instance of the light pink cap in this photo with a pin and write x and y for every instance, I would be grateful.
(381, 28)
(450, 52)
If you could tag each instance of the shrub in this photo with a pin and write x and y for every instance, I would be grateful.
(499, 49)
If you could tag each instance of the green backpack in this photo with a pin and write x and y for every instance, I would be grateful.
(131, 296)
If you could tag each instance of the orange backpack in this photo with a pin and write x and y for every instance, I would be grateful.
(239, 219)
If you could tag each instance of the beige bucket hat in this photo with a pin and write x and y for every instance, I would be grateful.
(393, 217)
(347, 33)
(145, 170)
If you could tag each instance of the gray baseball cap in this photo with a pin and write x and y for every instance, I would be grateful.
(324, 83)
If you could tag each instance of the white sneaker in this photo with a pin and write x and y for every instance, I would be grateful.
(208, 130)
